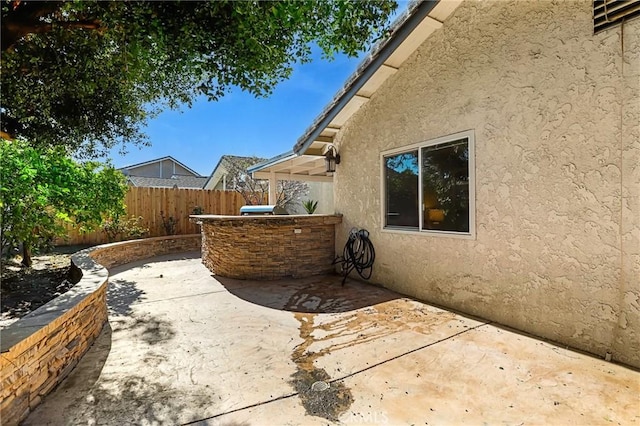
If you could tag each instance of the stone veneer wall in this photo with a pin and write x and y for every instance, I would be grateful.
(42, 348)
(110, 255)
(268, 247)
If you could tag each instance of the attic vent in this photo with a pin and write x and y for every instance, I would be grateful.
(607, 13)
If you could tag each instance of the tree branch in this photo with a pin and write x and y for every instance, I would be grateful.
(13, 32)
(26, 18)
(6, 136)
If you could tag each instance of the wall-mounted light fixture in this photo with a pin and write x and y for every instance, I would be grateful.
(331, 158)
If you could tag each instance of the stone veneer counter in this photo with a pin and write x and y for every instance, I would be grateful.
(268, 247)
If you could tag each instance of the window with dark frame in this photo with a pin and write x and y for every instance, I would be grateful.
(428, 188)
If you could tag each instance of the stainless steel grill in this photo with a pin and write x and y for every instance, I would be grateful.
(261, 210)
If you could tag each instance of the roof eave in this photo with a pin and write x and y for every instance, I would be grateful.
(361, 76)
(271, 162)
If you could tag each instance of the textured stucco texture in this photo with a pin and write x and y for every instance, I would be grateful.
(555, 113)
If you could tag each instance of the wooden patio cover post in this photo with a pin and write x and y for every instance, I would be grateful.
(272, 188)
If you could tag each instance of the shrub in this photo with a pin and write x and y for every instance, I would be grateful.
(310, 206)
(169, 224)
(129, 229)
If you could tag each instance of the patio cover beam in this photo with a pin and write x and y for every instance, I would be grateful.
(289, 176)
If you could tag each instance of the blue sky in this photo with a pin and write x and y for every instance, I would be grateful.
(240, 124)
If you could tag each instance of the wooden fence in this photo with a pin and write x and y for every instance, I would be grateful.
(149, 203)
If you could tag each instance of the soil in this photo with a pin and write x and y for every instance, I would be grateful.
(24, 290)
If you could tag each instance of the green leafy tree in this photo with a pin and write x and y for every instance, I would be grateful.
(41, 189)
(87, 74)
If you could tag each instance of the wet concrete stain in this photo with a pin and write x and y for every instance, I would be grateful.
(337, 331)
(335, 398)
(325, 295)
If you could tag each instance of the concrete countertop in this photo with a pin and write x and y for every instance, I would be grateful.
(327, 219)
(265, 216)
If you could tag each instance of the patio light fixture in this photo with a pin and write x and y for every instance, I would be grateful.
(331, 158)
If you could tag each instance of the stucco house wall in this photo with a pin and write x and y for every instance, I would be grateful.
(322, 192)
(555, 111)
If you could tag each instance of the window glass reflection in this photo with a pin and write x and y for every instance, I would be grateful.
(445, 186)
(401, 179)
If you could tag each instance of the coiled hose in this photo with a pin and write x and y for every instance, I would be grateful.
(358, 254)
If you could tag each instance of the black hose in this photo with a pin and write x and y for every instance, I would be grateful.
(358, 254)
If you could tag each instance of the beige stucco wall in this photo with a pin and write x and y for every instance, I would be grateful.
(322, 192)
(555, 113)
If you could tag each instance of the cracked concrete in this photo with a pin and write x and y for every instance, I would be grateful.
(183, 347)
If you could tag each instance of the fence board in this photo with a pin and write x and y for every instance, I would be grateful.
(173, 202)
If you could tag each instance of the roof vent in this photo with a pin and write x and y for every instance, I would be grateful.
(608, 13)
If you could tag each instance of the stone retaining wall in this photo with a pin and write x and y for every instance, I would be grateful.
(268, 247)
(42, 348)
(110, 255)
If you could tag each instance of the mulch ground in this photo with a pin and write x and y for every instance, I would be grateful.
(24, 290)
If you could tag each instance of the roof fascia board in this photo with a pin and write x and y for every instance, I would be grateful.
(215, 169)
(381, 56)
(290, 176)
(272, 162)
(145, 163)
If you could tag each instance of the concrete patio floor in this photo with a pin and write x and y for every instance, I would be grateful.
(183, 347)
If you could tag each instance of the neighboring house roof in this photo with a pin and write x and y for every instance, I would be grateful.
(408, 32)
(222, 168)
(195, 182)
(159, 160)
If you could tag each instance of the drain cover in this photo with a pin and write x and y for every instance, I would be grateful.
(319, 386)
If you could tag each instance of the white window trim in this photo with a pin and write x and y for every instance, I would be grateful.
(471, 235)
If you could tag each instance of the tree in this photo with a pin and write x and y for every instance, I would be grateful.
(87, 74)
(290, 192)
(43, 188)
(256, 191)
